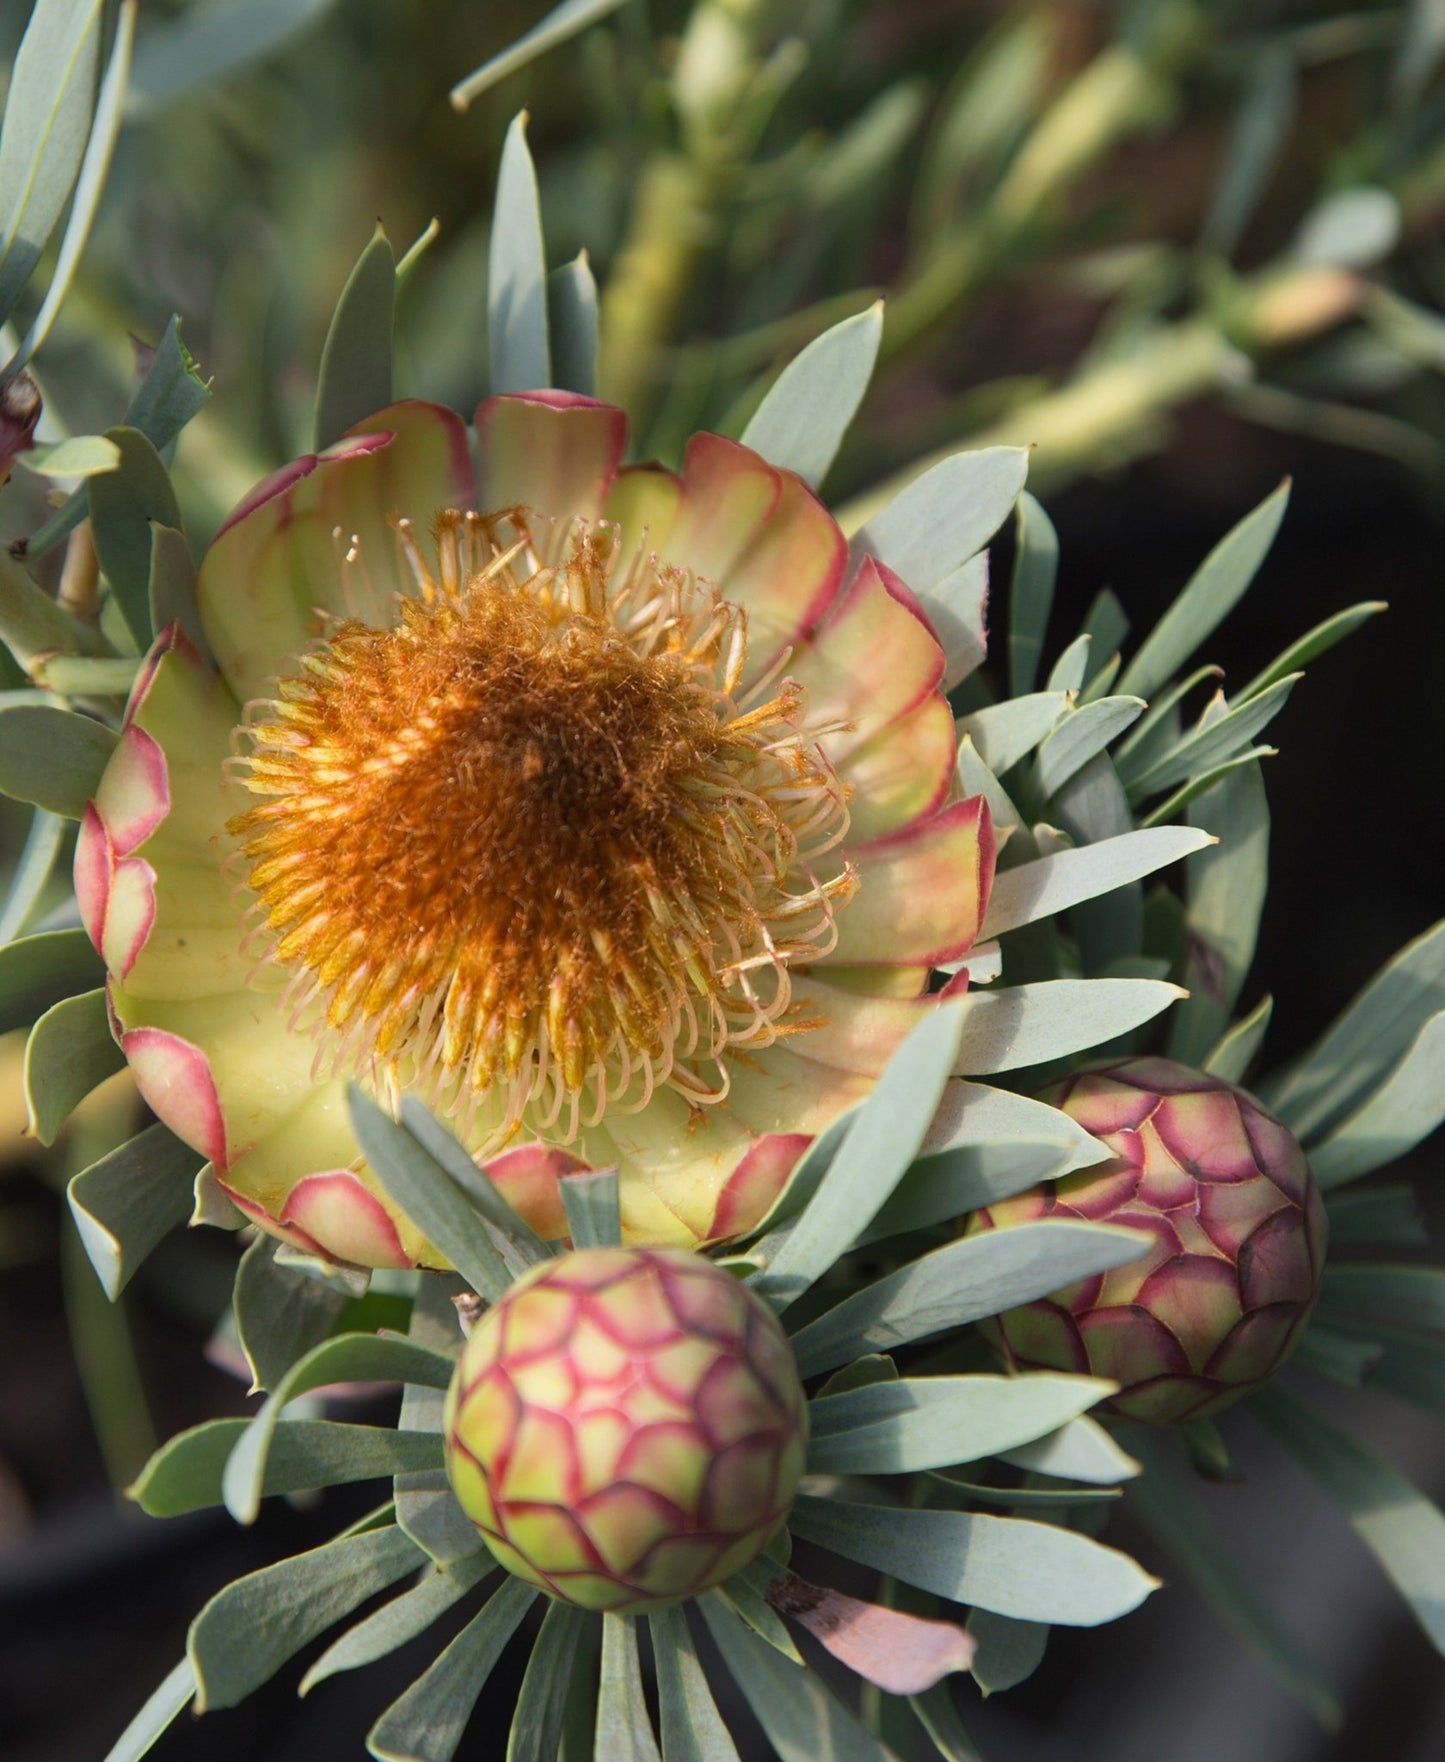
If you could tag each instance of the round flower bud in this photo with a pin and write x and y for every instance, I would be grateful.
(626, 1427)
(1222, 1298)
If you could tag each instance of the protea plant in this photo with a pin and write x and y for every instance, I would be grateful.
(1222, 1297)
(626, 1427)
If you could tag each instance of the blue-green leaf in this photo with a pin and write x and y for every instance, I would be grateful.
(26, 891)
(518, 1243)
(47, 124)
(1003, 733)
(590, 1203)
(1236, 1048)
(213, 41)
(1212, 742)
(38, 971)
(1031, 1024)
(355, 377)
(935, 1422)
(943, 517)
(1009, 1651)
(1031, 592)
(52, 758)
(1014, 1566)
(400, 1620)
(1405, 1109)
(572, 304)
(517, 275)
(962, 1282)
(1080, 1451)
(800, 424)
(557, 26)
(168, 1702)
(124, 505)
(1256, 137)
(1313, 643)
(281, 1312)
(885, 1135)
(344, 1358)
(542, 1704)
(624, 1725)
(1350, 229)
(1053, 884)
(1080, 737)
(248, 1631)
(125, 1203)
(70, 1052)
(1209, 596)
(692, 1727)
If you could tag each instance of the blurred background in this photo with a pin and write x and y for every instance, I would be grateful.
(1181, 249)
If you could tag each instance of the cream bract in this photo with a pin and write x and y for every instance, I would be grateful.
(611, 810)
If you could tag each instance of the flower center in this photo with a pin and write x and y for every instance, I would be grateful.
(532, 846)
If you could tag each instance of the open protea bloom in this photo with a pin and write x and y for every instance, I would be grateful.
(1222, 1298)
(610, 810)
(626, 1427)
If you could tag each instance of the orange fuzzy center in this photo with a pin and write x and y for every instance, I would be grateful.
(531, 847)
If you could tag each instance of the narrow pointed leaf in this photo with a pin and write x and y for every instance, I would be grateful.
(1376, 1215)
(1365, 1043)
(517, 274)
(692, 1727)
(430, 1198)
(1080, 737)
(519, 1244)
(542, 1704)
(938, 1189)
(943, 517)
(1235, 1050)
(886, 1134)
(800, 424)
(426, 1507)
(747, 1592)
(1067, 673)
(160, 1712)
(939, 1717)
(572, 304)
(1408, 1296)
(94, 168)
(185, 1473)
(1031, 593)
(125, 1203)
(557, 26)
(1213, 744)
(1406, 1108)
(355, 376)
(1314, 642)
(1009, 1651)
(1207, 599)
(1031, 1024)
(401, 1620)
(1403, 1529)
(212, 42)
(934, 1422)
(590, 1202)
(47, 124)
(802, 1720)
(1080, 1451)
(624, 1726)
(427, 1722)
(248, 1631)
(342, 1359)
(70, 1052)
(1003, 733)
(962, 1282)
(1014, 1566)
(52, 758)
(1053, 884)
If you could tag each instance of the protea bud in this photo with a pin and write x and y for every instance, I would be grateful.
(626, 1427)
(1221, 1299)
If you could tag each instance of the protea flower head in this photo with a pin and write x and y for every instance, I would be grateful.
(1221, 1300)
(626, 1427)
(612, 811)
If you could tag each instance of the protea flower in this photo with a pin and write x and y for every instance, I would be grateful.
(626, 1427)
(610, 810)
(1222, 1299)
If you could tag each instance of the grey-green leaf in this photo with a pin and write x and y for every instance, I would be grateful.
(125, 1203)
(802, 1720)
(430, 1198)
(400, 1620)
(624, 1725)
(572, 306)
(161, 1711)
(935, 1422)
(800, 424)
(1031, 593)
(1214, 742)
(70, 1052)
(1009, 1651)
(692, 1727)
(1031, 1024)
(542, 1703)
(212, 42)
(249, 1630)
(1053, 884)
(281, 1312)
(1014, 1566)
(1207, 599)
(1405, 1109)
(38, 971)
(590, 1202)
(885, 1135)
(1079, 737)
(517, 275)
(557, 26)
(185, 1473)
(124, 505)
(943, 517)
(52, 758)
(1080, 1451)
(355, 377)
(962, 1282)
(344, 1358)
